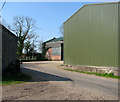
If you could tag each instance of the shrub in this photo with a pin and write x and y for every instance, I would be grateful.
(13, 67)
(17, 66)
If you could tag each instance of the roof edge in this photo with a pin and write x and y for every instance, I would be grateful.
(56, 39)
(90, 5)
(12, 34)
(49, 40)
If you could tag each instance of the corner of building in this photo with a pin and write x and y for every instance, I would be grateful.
(118, 34)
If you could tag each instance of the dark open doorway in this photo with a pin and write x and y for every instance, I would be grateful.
(62, 51)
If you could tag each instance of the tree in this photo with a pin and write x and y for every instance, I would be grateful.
(24, 28)
(40, 45)
(27, 48)
(32, 48)
(44, 50)
(61, 30)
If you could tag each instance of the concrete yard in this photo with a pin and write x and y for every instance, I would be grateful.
(51, 82)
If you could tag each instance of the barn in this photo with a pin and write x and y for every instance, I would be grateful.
(55, 49)
(92, 36)
(8, 47)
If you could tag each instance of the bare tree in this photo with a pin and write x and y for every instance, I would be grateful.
(27, 46)
(24, 28)
(61, 30)
(40, 45)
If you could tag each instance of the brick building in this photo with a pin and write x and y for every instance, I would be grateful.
(55, 49)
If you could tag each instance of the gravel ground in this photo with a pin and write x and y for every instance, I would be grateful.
(50, 90)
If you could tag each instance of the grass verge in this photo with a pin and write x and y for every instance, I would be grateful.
(15, 78)
(111, 75)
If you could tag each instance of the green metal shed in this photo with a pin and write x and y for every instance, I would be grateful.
(92, 36)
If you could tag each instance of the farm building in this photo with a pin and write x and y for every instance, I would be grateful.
(55, 49)
(92, 36)
(8, 47)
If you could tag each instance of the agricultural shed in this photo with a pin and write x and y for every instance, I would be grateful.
(55, 49)
(92, 36)
(9, 47)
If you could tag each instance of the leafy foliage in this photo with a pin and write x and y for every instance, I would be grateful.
(44, 49)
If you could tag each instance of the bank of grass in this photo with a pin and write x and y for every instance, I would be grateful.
(15, 78)
(111, 75)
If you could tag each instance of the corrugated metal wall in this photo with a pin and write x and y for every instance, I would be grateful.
(9, 48)
(91, 36)
(119, 35)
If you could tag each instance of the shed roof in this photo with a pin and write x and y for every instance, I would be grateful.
(57, 39)
(9, 32)
(54, 40)
(49, 40)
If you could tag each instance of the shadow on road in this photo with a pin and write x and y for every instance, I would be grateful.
(38, 76)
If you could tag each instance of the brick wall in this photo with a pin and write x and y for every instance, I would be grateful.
(49, 55)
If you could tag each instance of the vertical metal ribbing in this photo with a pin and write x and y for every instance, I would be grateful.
(119, 35)
(119, 49)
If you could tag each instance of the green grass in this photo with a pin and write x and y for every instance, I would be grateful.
(111, 75)
(15, 78)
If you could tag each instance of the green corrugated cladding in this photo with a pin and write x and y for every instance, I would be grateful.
(91, 36)
(119, 34)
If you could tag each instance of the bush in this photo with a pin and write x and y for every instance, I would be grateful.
(13, 67)
(17, 63)
(39, 57)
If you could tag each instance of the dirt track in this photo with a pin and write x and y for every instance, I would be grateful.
(48, 85)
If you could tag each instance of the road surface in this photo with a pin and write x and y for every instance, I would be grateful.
(51, 82)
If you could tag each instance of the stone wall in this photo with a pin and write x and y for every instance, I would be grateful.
(95, 69)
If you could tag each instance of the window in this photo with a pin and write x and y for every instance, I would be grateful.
(56, 51)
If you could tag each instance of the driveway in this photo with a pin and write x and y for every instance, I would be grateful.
(51, 82)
